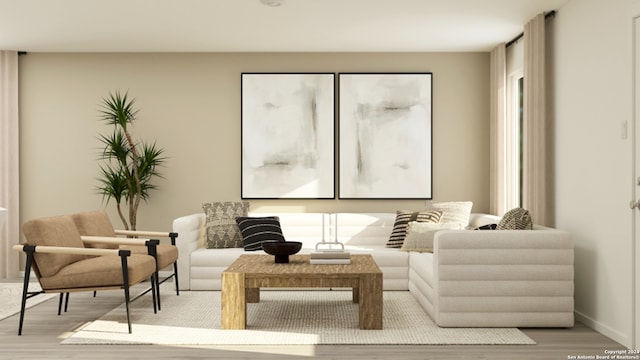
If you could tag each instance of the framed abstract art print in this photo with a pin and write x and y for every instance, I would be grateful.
(288, 127)
(385, 135)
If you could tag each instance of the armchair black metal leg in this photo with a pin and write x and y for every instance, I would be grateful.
(173, 236)
(125, 283)
(66, 302)
(152, 250)
(25, 287)
(153, 294)
(60, 304)
(157, 286)
(175, 277)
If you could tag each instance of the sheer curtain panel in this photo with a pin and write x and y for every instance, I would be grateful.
(9, 234)
(534, 122)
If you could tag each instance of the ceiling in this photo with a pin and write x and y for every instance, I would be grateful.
(249, 26)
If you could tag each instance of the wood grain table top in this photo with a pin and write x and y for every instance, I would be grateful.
(299, 265)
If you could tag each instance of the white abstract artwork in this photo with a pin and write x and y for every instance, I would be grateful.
(385, 136)
(288, 126)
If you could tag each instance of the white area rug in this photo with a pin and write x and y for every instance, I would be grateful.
(281, 318)
(11, 298)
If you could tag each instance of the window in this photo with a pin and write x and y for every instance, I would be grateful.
(513, 141)
(520, 121)
(513, 127)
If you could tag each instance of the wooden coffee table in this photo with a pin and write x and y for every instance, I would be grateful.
(242, 280)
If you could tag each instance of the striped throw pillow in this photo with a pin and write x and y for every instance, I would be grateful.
(256, 230)
(403, 218)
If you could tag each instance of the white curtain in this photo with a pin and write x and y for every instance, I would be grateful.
(534, 195)
(497, 118)
(9, 236)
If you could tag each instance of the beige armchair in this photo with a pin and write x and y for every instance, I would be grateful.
(92, 224)
(62, 263)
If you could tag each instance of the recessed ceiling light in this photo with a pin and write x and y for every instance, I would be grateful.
(272, 3)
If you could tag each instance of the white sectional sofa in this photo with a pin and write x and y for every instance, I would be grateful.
(501, 278)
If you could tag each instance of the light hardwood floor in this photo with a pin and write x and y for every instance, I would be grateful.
(43, 329)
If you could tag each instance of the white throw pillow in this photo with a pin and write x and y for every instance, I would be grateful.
(420, 235)
(454, 211)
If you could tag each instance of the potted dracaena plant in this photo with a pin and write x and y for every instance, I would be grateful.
(128, 166)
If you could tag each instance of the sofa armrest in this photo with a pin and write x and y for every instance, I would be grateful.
(191, 230)
(540, 237)
(518, 277)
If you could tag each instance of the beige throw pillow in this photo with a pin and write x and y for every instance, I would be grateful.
(420, 235)
(458, 212)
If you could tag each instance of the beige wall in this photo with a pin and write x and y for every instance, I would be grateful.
(593, 73)
(190, 103)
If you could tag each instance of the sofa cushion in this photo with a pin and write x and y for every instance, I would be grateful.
(402, 222)
(458, 212)
(420, 235)
(256, 230)
(362, 229)
(516, 219)
(220, 225)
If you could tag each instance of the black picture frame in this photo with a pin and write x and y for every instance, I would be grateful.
(288, 135)
(385, 131)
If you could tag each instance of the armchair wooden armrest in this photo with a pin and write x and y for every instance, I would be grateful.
(154, 234)
(73, 250)
(143, 233)
(116, 240)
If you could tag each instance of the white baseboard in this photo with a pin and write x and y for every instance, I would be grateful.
(605, 330)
